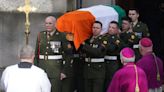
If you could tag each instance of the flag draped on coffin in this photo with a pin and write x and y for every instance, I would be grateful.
(80, 22)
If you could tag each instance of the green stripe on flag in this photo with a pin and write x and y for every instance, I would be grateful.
(121, 12)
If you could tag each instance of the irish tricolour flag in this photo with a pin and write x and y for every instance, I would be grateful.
(79, 22)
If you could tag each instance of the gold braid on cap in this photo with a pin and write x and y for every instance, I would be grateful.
(137, 87)
(155, 59)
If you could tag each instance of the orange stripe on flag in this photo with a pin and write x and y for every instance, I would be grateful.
(77, 22)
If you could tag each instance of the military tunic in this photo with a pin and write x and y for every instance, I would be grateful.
(94, 66)
(49, 56)
(141, 30)
(129, 38)
(112, 60)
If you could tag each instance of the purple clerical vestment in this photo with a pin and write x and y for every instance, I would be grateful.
(124, 80)
(147, 63)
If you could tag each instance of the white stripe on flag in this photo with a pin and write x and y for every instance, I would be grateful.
(104, 14)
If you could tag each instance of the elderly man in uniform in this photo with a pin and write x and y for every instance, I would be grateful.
(130, 78)
(24, 76)
(113, 45)
(50, 53)
(94, 66)
(151, 64)
(139, 28)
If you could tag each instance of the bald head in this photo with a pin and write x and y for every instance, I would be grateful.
(51, 18)
(50, 23)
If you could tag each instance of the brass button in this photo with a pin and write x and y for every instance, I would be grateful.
(47, 47)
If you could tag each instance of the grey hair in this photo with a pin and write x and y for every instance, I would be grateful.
(52, 18)
(26, 52)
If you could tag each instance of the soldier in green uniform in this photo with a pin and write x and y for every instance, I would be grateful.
(50, 51)
(94, 66)
(139, 28)
(113, 46)
(127, 34)
(78, 70)
(67, 67)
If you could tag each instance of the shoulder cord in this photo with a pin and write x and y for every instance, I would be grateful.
(137, 86)
(155, 59)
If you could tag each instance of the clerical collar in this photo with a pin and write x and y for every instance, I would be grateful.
(24, 65)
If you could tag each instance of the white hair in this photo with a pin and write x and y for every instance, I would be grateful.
(125, 59)
(26, 52)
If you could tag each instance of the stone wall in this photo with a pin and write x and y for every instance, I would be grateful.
(43, 6)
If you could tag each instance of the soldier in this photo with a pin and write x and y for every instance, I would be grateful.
(113, 45)
(127, 34)
(67, 67)
(50, 53)
(139, 28)
(78, 70)
(94, 66)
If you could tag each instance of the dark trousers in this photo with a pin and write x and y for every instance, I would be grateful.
(94, 85)
(111, 68)
(79, 84)
(78, 75)
(68, 85)
(55, 85)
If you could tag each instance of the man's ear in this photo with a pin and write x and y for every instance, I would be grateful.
(18, 56)
(33, 56)
(122, 61)
(138, 15)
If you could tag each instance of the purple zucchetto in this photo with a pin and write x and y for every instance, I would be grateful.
(127, 54)
(146, 42)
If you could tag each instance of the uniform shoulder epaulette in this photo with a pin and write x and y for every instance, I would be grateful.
(141, 23)
(42, 32)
